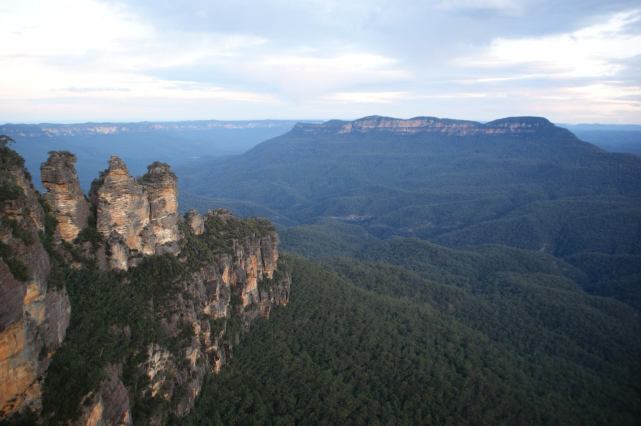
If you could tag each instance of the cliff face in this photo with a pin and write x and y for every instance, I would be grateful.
(33, 316)
(64, 195)
(213, 276)
(162, 193)
(122, 214)
(137, 218)
(230, 277)
(220, 300)
(417, 125)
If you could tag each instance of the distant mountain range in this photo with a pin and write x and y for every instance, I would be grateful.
(107, 128)
(520, 182)
(464, 273)
(138, 143)
(443, 272)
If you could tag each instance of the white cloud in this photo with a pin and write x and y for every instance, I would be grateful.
(50, 47)
(594, 51)
(511, 7)
(366, 97)
(310, 74)
(104, 59)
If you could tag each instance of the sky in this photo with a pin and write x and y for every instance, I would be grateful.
(90, 60)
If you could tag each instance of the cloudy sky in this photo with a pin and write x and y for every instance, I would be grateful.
(78, 60)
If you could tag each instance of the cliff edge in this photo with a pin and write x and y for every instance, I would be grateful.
(151, 303)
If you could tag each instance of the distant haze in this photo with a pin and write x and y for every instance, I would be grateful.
(92, 60)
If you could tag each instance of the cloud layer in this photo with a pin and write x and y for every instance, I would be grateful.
(76, 60)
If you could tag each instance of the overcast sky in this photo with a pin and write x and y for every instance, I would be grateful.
(80, 60)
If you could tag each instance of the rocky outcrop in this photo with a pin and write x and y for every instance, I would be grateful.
(33, 316)
(137, 218)
(219, 301)
(420, 125)
(122, 207)
(220, 274)
(66, 199)
(195, 222)
(162, 193)
(109, 405)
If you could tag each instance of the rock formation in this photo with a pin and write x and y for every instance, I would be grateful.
(162, 194)
(195, 222)
(224, 274)
(416, 125)
(33, 315)
(109, 405)
(138, 218)
(122, 208)
(64, 195)
(219, 300)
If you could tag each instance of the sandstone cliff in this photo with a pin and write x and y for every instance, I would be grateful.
(33, 315)
(226, 276)
(137, 218)
(418, 125)
(64, 195)
(159, 301)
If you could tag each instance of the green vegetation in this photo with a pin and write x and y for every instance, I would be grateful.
(9, 191)
(373, 343)
(115, 316)
(546, 191)
(19, 270)
(103, 305)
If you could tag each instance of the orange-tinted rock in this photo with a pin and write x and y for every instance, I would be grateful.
(33, 317)
(137, 218)
(109, 405)
(66, 199)
(122, 206)
(162, 192)
(195, 222)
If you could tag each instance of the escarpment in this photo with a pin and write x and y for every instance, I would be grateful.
(421, 125)
(34, 314)
(151, 303)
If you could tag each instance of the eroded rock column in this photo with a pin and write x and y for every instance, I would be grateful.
(64, 196)
(122, 208)
(162, 193)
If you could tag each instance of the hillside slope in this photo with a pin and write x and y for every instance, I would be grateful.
(520, 181)
(372, 343)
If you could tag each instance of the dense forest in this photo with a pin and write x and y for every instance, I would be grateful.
(545, 191)
(448, 280)
(435, 280)
(375, 343)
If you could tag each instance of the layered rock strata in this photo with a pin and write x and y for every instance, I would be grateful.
(33, 316)
(219, 301)
(64, 195)
(162, 193)
(419, 125)
(136, 217)
(227, 275)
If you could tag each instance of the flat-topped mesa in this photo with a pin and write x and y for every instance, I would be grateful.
(64, 196)
(136, 218)
(417, 125)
